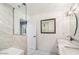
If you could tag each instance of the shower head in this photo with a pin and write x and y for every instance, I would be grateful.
(24, 4)
(21, 5)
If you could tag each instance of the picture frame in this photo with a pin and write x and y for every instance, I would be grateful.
(48, 26)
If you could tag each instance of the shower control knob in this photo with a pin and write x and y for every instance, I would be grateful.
(34, 36)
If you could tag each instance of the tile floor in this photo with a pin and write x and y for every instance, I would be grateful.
(39, 52)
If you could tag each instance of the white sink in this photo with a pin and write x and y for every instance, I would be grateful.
(67, 47)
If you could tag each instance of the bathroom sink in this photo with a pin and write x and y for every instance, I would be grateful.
(72, 47)
(67, 47)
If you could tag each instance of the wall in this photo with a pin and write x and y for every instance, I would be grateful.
(6, 19)
(47, 42)
(6, 23)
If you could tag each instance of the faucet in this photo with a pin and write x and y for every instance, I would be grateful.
(71, 38)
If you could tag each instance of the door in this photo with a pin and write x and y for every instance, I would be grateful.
(31, 33)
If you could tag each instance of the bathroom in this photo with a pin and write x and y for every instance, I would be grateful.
(23, 30)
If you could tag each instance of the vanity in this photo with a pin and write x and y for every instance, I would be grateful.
(67, 47)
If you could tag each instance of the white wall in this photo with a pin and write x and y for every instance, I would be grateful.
(47, 42)
(6, 19)
(6, 23)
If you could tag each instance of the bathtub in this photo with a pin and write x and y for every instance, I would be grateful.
(12, 51)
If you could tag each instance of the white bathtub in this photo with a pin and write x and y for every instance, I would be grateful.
(12, 51)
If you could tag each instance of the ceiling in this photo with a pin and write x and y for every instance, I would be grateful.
(37, 8)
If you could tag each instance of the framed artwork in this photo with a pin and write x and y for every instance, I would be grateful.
(48, 26)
